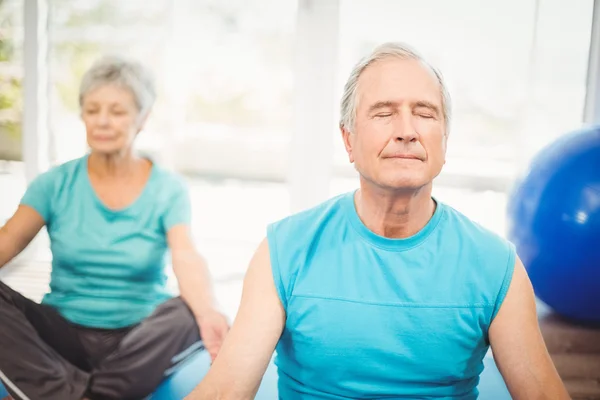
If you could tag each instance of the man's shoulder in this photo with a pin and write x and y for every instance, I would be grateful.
(462, 222)
(293, 239)
(488, 244)
(311, 216)
(488, 257)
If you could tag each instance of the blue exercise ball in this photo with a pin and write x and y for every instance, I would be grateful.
(554, 223)
(185, 378)
(188, 376)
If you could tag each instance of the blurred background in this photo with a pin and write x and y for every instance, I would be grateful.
(249, 93)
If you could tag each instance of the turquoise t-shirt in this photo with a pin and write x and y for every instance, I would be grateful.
(370, 317)
(108, 266)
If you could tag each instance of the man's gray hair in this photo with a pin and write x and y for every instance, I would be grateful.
(128, 74)
(349, 102)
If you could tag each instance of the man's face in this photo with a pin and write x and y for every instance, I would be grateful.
(399, 136)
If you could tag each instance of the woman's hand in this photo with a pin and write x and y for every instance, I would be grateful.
(213, 329)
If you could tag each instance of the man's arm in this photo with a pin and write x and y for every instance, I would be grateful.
(18, 232)
(248, 348)
(518, 345)
(195, 286)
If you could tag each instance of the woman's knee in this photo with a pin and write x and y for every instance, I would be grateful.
(177, 315)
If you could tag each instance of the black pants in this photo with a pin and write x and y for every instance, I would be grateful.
(43, 356)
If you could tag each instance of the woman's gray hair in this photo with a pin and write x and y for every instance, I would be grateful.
(128, 74)
(349, 102)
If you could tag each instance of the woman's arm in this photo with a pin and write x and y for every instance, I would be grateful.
(195, 287)
(18, 232)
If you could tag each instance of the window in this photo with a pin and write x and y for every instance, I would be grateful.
(516, 80)
(224, 73)
(11, 79)
(79, 33)
(233, 88)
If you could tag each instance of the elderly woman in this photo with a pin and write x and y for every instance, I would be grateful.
(108, 328)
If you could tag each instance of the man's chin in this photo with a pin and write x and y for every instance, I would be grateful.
(406, 184)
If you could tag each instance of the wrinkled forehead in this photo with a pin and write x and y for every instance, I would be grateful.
(399, 81)
(113, 93)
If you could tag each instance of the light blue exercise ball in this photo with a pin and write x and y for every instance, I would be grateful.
(186, 378)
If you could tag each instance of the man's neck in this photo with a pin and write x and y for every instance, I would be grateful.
(394, 214)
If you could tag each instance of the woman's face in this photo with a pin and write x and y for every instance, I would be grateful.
(112, 119)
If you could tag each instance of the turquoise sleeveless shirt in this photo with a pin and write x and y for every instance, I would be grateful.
(370, 317)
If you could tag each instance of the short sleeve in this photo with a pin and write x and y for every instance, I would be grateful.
(178, 209)
(39, 195)
(508, 274)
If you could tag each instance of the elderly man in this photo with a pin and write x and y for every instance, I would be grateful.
(385, 292)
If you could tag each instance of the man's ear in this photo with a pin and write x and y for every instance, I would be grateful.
(348, 139)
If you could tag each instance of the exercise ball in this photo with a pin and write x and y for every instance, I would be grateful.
(554, 223)
(182, 381)
(3, 392)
